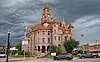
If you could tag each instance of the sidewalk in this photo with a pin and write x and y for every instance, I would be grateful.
(27, 59)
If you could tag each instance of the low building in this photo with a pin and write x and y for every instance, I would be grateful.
(2, 47)
(91, 48)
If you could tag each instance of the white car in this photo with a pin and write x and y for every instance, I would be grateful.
(2, 55)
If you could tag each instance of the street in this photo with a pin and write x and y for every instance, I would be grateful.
(47, 60)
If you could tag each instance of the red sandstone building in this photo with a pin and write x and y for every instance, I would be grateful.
(49, 31)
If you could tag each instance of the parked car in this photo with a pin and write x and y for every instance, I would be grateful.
(2, 55)
(89, 55)
(67, 56)
(98, 55)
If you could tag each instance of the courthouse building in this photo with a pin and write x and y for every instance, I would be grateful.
(49, 31)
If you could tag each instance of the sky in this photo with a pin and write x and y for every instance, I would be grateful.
(17, 14)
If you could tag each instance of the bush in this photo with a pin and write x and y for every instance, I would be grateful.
(55, 49)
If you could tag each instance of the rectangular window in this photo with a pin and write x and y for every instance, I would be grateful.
(59, 38)
(48, 40)
(55, 37)
(43, 40)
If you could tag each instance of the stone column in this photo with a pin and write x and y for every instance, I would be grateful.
(46, 50)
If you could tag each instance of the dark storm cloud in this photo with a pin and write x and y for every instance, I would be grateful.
(73, 9)
(14, 12)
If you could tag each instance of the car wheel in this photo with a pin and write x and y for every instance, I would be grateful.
(94, 56)
(56, 59)
(82, 57)
(68, 58)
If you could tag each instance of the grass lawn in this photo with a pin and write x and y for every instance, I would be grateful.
(20, 56)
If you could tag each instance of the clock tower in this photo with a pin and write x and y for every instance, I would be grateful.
(46, 15)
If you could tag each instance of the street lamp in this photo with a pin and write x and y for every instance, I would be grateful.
(8, 44)
(25, 42)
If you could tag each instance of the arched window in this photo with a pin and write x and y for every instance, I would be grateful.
(35, 48)
(59, 38)
(43, 40)
(48, 40)
(48, 32)
(54, 25)
(43, 32)
(65, 37)
(70, 37)
(59, 45)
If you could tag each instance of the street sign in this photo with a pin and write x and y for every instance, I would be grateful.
(24, 42)
(53, 54)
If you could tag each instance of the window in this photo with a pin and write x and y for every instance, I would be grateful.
(43, 40)
(48, 40)
(65, 37)
(38, 48)
(55, 37)
(28, 41)
(35, 48)
(54, 25)
(70, 37)
(48, 32)
(59, 38)
(38, 32)
(43, 32)
(59, 45)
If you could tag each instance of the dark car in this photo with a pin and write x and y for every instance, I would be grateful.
(67, 56)
(88, 55)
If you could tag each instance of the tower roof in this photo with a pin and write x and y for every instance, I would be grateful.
(55, 20)
(46, 6)
(70, 25)
(46, 15)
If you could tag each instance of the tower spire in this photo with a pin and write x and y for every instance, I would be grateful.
(46, 14)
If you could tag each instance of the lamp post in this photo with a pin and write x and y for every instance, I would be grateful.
(25, 42)
(8, 44)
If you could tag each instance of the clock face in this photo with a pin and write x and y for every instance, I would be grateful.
(46, 24)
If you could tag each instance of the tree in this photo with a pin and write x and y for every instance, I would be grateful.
(70, 45)
(19, 46)
(54, 49)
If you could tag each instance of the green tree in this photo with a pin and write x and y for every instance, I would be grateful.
(70, 45)
(19, 46)
(55, 49)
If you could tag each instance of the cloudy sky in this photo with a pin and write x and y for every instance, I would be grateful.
(84, 14)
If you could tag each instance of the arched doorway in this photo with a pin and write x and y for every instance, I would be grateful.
(43, 49)
(48, 48)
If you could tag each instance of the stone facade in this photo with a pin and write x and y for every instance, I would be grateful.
(48, 32)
